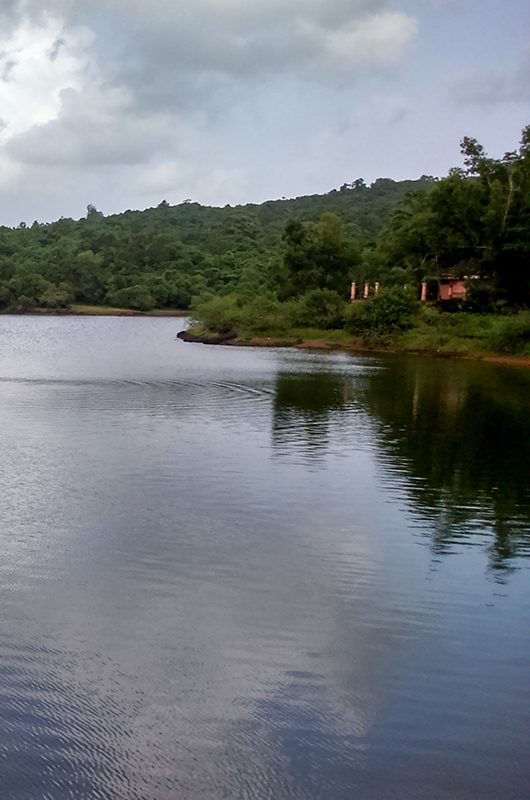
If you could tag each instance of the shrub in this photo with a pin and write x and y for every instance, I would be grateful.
(390, 312)
(136, 297)
(233, 315)
(56, 297)
(320, 308)
(5, 297)
(481, 296)
(220, 314)
(263, 314)
(511, 335)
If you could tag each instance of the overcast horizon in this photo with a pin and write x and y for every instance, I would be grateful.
(125, 104)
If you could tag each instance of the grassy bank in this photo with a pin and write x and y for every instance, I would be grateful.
(110, 311)
(100, 311)
(388, 325)
(415, 341)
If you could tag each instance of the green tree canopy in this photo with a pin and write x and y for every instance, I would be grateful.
(317, 255)
(475, 221)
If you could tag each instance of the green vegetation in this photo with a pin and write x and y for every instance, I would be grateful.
(390, 313)
(105, 311)
(393, 320)
(473, 226)
(283, 267)
(164, 256)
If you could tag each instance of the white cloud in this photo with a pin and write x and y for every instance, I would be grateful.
(38, 62)
(69, 100)
(378, 40)
(92, 127)
(124, 102)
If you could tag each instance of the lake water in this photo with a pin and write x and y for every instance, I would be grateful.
(249, 573)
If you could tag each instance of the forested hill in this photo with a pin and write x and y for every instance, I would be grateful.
(164, 256)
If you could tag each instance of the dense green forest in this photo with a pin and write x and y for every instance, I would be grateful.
(473, 225)
(165, 255)
(254, 269)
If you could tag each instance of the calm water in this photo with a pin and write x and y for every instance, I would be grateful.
(240, 573)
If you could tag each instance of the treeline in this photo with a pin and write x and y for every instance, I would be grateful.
(164, 256)
(472, 225)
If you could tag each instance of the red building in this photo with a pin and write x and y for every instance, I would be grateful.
(450, 288)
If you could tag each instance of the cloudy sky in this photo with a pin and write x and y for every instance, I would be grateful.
(123, 103)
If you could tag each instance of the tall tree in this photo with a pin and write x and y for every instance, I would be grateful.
(317, 255)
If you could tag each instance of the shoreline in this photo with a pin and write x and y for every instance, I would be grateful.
(96, 311)
(350, 347)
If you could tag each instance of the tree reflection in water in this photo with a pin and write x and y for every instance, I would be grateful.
(460, 433)
(308, 410)
(456, 434)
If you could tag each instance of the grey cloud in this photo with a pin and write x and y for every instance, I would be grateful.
(173, 57)
(54, 52)
(252, 43)
(493, 88)
(9, 10)
(91, 132)
(228, 37)
(233, 100)
(7, 69)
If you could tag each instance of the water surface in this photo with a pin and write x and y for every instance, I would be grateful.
(244, 573)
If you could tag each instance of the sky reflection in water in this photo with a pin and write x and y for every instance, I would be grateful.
(252, 573)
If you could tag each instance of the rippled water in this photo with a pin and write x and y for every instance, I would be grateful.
(241, 573)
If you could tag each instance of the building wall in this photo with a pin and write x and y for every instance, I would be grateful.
(453, 290)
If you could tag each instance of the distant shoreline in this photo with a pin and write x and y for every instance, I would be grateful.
(97, 311)
(351, 347)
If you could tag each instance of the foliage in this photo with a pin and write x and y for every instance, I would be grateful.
(220, 314)
(393, 318)
(318, 255)
(388, 313)
(178, 252)
(512, 335)
(319, 308)
(235, 316)
(136, 297)
(475, 222)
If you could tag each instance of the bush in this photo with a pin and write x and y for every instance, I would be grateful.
(390, 312)
(24, 303)
(512, 335)
(481, 297)
(5, 297)
(27, 291)
(219, 314)
(56, 297)
(136, 297)
(320, 308)
(233, 315)
(263, 314)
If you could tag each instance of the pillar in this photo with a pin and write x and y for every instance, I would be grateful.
(377, 287)
(366, 291)
(423, 292)
(353, 291)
